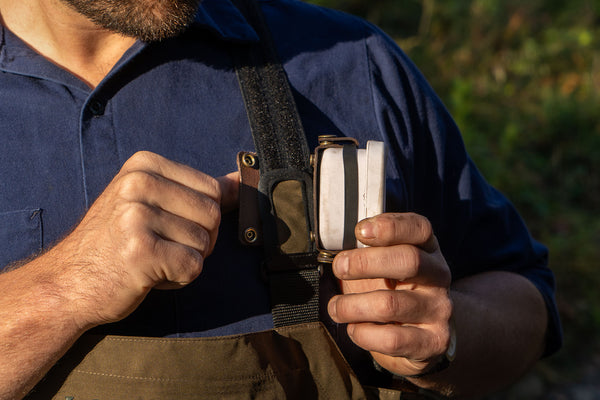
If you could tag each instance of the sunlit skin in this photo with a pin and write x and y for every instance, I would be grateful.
(87, 38)
(152, 227)
(397, 300)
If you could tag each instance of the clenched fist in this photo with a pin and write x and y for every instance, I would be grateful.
(152, 227)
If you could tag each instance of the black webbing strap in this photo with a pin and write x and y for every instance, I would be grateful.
(281, 143)
(283, 156)
(350, 160)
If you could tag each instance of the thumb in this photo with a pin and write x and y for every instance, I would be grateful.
(230, 191)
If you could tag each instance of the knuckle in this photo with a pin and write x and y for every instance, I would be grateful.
(343, 309)
(439, 343)
(411, 260)
(184, 266)
(441, 309)
(214, 188)
(200, 237)
(445, 309)
(146, 157)
(422, 227)
(140, 246)
(399, 224)
(387, 307)
(213, 211)
(140, 159)
(392, 224)
(391, 343)
(133, 183)
(387, 225)
(207, 185)
(193, 263)
(359, 263)
(135, 214)
(404, 226)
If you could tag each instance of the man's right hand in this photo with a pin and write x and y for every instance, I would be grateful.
(153, 226)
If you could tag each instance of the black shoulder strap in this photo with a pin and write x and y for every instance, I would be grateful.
(269, 101)
(285, 185)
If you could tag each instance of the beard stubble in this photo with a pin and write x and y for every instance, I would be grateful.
(146, 20)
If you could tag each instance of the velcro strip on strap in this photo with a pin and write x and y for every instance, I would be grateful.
(284, 157)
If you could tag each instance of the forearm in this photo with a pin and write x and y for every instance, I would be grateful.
(501, 321)
(153, 226)
(38, 326)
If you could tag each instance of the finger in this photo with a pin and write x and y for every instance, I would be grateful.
(401, 262)
(161, 260)
(397, 340)
(230, 191)
(180, 230)
(381, 306)
(178, 266)
(157, 191)
(397, 228)
(174, 171)
(400, 365)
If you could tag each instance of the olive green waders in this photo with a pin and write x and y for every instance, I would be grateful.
(296, 360)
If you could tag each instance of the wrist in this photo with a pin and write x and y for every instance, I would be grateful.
(56, 291)
(35, 294)
(445, 359)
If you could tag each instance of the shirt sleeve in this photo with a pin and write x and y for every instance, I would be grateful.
(477, 227)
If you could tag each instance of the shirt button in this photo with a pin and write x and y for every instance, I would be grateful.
(96, 107)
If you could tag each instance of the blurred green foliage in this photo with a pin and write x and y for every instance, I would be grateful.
(522, 80)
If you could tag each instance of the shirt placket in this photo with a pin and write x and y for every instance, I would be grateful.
(99, 148)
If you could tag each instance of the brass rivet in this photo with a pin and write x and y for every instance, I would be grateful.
(250, 235)
(313, 237)
(323, 139)
(249, 160)
(325, 257)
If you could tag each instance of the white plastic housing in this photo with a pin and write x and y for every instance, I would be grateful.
(371, 191)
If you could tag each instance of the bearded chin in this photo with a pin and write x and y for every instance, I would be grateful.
(146, 20)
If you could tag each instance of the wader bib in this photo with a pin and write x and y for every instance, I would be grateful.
(298, 359)
(297, 362)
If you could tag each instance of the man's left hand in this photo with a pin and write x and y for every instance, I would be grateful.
(395, 293)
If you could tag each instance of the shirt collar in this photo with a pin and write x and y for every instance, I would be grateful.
(224, 19)
(218, 16)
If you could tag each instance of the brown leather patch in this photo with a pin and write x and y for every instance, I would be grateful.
(249, 225)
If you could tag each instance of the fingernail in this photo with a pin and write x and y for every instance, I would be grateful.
(350, 330)
(367, 229)
(332, 309)
(341, 265)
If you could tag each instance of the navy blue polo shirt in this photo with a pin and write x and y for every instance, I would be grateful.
(62, 142)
